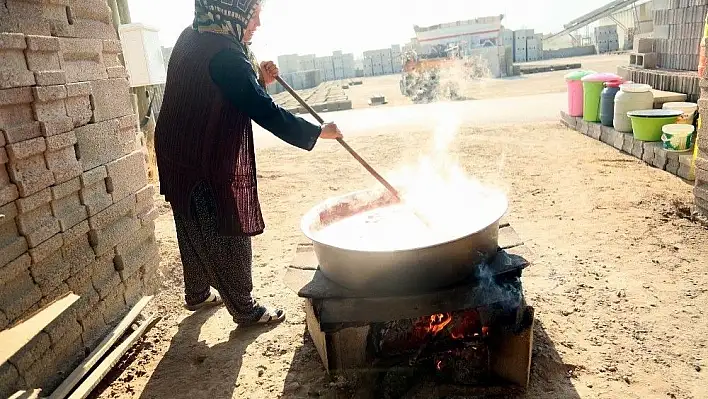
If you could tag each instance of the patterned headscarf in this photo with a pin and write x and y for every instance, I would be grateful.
(229, 18)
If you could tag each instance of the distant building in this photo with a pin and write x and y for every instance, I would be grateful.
(469, 34)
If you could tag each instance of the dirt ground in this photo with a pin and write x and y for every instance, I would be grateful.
(619, 282)
(541, 83)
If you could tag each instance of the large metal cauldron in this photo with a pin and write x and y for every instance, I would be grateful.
(413, 270)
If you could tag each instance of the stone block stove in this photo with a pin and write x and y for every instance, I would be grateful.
(476, 333)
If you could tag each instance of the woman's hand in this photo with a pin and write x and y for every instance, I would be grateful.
(330, 131)
(269, 71)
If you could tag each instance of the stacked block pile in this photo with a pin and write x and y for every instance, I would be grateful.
(672, 81)
(76, 210)
(327, 97)
(678, 30)
(652, 153)
(701, 190)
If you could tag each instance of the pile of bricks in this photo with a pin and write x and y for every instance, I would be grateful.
(678, 30)
(674, 81)
(701, 171)
(652, 153)
(76, 210)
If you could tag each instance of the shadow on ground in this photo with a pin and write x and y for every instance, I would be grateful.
(550, 378)
(187, 369)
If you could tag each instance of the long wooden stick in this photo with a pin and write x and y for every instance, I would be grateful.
(341, 141)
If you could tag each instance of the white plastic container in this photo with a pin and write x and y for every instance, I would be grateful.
(143, 55)
(677, 137)
(631, 97)
(688, 109)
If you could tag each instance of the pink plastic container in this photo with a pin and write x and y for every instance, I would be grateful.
(575, 92)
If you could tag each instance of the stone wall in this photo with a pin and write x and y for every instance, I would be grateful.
(701, 189)
(77, 210)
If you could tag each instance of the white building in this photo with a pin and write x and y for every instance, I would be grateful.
(473, 33)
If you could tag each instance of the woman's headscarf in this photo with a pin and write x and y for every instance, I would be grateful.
(226, 17)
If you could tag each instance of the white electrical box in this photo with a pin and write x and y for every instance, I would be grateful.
(143, 55)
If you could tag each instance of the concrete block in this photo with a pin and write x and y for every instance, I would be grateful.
(104, 276)
(660, 158)
(684, 172)
(701, 192)
(93, 176)
(30, 174)
(13, 67)
(8, 190)
(15, 268)
(114, 307)
(50, 272)
(50, 78)
(96, 197)
(595, 130)
(131, 262)
(31, 352)
(649, 151)
(644, 45)
(38, 226)
(93, 326)
(79, 255)
(69, 211)
(43, 54)
(618, 139)
(26, 149)
(638, 149)
(94, 29)
(28, 204)
(104, 240)
(78, 103)
(82, 59)
(126, 175)
(117, 72)
(133, 289)
(63, 164)
(62, 190)
(46, 249)
(64, 328)
(60, 141)
(12, 244)
(109, 216)
(110, 99)
(75, 233)
(19, 133)
(57, 126)
(10, 381)
(606, 135)
(18, 296)
(111, 51)
(49, 111)
(100, 143)
(583, 126)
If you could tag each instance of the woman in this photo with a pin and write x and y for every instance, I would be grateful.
(206, 158)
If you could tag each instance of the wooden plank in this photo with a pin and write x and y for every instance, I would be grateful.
(318, 337)
(34, 394)
(511, 353)
(16, 337)
(78, 374)
(348, 348)
(88, 385)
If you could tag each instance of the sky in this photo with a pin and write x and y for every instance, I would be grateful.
(321, 26)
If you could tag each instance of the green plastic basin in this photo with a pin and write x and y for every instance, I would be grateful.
(647, 124)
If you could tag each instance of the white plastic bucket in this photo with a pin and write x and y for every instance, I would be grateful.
(677, 137)
(688, 109)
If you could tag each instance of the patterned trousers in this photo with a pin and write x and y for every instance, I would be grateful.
(213, 260)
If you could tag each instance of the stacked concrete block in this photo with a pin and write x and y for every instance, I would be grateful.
(701, 163)
(77, 210)
(652, 153)
(678, 30)
(686, 82)
(606, 38)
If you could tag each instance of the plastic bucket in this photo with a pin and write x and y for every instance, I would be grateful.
(647, 124)
(592, 92)
(677, 137)
(688, 109)
(575, 98)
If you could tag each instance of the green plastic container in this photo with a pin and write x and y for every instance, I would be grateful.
(647, 124)
(592, 91)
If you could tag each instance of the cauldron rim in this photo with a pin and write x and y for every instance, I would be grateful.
(308, 220)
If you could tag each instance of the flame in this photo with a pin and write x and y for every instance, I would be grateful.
(438, 322)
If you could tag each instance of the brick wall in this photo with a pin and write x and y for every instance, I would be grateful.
(701, 190)
(78, 210)
(678, 30)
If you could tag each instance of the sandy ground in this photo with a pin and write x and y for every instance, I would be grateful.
(619, 281)
(547, 82)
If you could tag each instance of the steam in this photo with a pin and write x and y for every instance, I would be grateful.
(508, 294)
